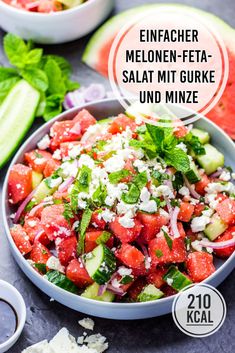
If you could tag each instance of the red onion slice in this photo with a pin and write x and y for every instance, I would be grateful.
(173, 221)
(217, 173)
(102, 289)
(117, 291)
(73, 99)
(64, 186)
(218, 245)
(191, 189)
(23, 205)
(94, 92)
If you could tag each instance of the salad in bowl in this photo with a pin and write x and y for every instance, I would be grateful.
(44, 6)
(123, 210)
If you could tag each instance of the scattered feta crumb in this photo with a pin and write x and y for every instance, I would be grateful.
(184, 191)
(53, 263)
(57, 154)
(198, 224)
(126, 221)
(44, 143)
(169, 281)
(87, 323)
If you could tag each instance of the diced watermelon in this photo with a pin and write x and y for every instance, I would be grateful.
(152, 224)
(90, 240)
(227, 235)
(130, 256)
(66, 249)
(125, 235)
(19, 183)
(58, 195)
(155, 277)
(96, 221)
(186, 211)
(161, 253)
(200, 265)
(136, 288)
(168, 291)
(202, 184)
(226, 211)
(61, 132)
(54, 223)
(65, 147)
(85, 119)
(40, 254)
(120, 124)
(78, 274)
(21, 239)
(37, 159)
(33, 228)
(180, 130)
(128, 166)
(50, 167)
(48, 6)
(198, 208)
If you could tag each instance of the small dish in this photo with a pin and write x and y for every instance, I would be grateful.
(56, 27)
(11, 295)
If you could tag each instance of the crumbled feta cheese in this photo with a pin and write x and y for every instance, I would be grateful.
(74, 151)
(144, 195)
(124, 271)
(53, 263)
(57, 154)
(162, 190)
(169, 281)
(140, 165)
(40, 347)
(32, 223)
(44, 143)
(123, 208)
(126, 221)
(198, 224)
(97, 342)
(53, 183)
(115, 283)
(114, 164)
(149, 206)
(225, 175)
(87, 323)
(106, 215)
(184, 191)
(69, 169)
(211, 200)
(196, 245)
(86, 160)
(213, 188)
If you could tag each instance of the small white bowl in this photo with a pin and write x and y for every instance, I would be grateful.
(56, 27)
(13, 297)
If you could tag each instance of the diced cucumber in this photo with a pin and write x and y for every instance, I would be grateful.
(16, 116)
(43, 191)
(105, 121)
(212, 160)
(60, 280)
(202, 135)
(150, 292)
(215, 228)
(36, 179)
(176, 279)
(100, 264)
(91, 292)
(193, 175)
(71, 3)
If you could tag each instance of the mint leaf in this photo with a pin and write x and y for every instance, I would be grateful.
(103, 238)
(6, 86)
(60, 280)
(99, 195)
(127, 279)
(159, 253)
(36, 77)
(140, 180)
(68, 212)
(55, 81)
(115, 177)
(194, 143)
(41, 267)
(15, 49)
(53, 106)
(132, 196)
(63, 64)
(157, 135)
(33, 57)
(178, 181)
(169, 241)
(7, 72)
(178, 159)
(84, 179)
(85, 221)
(71, 85)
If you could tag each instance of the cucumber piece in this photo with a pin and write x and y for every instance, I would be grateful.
(100, 264)
(150, 292)
(43, 191)
(193, 175)
(105, 121)
(16, 116)
(176, 279)
(36, 179)
(71, 3)
(60, 280)
(215, 228)
(212, 160)
(202, 135)
(91, 292)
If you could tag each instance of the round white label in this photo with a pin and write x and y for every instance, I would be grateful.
(199, 310)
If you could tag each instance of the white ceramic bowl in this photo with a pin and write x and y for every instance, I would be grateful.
(57, 27)
(126, 311)
(13, 297)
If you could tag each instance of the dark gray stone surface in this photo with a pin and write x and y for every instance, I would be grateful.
(45, 318)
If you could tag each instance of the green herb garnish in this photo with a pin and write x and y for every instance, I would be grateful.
(159, 253)
(168, 240)
(85, 221)
(115, 177)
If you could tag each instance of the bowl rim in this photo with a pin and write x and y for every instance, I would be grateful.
(53, 287)
(13, 291)
(31, 15)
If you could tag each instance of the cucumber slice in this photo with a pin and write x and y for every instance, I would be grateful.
(202, 135)
(105, 121)
(100, 264)
(36, 179)
(215, 228)
(193, 175)
(60, 280)
(43, 191)
(16, 116)
(212, 160)
(91, 292)
(137, 108)
(150, 292)
(176, 279)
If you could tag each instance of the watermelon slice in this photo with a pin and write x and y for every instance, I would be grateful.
(97, 52)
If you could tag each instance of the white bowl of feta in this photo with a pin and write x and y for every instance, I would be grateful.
(112, 310)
